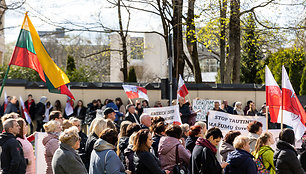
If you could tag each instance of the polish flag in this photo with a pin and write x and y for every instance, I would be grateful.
(181, 88)
(25, 111)
(135, 92)
(5, 100)
(69, 104)
(293, 112)
(273, 96)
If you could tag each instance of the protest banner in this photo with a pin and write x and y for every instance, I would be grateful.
(204, 106)
(171, 114)
(41, 165)
(226, 121)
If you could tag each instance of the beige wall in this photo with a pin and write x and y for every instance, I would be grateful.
(87, 95)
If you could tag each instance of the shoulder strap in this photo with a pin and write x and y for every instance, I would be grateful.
(177, 155)
(105, 161)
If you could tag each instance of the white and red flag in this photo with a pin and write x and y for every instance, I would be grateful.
(293, 112)
(181, 88)
(69, 105)
(5, 101)
(135, 92)
(25, 111)
(273, 96)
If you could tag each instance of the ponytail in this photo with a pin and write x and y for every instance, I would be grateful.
(261, 141)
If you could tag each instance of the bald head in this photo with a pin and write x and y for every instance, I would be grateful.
(145, 119)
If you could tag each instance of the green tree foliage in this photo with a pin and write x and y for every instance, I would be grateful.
(82, 74)
(70, 63)
(303, 83)
(17, 72)
(132, 75)
(251, 53)
(289, 57)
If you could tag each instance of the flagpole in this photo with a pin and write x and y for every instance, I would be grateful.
(131, 101)
(282, 126)
(267, 117)
(4, 80)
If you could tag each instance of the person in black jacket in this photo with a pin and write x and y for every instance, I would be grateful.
(194, 133)
(285, 157)
(40, 113)
(80, 111)
(159, 130)
(81, 151)
(240, 160)
(184, 110)
(203, 158)
(91, 112)
(144, 160)
(12, 158)
(131, 114)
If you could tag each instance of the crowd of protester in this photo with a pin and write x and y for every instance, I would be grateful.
(124, 139)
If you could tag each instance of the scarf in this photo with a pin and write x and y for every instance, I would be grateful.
(205, 143)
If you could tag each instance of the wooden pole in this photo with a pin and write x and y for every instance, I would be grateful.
(267, 117)
(189, 99)
(131, 101)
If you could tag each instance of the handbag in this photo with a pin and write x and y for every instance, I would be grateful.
(179, 168)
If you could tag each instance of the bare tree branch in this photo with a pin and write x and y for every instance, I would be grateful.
(258, 6)
(99, 52)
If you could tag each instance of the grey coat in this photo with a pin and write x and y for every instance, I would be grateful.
(104, 159)
(66, 161)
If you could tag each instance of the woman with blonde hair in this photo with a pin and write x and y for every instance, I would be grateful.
(240, 160)
(264, 152)
(65, 159)
(97, 126)
(51, 142)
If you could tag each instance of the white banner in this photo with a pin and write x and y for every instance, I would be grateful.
(226, 121)
(170, 114)
(41, 165)
(204, 106)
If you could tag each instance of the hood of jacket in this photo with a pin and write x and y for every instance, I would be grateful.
(101, 145)
(166, 144)
(253, 136)
(282, 145)
(43, 99)
(238, 157)
(48, 138)
(226, 147)
(5, 136)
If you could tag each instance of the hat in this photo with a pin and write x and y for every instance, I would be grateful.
(108, 111)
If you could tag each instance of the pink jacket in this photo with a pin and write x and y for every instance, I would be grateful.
(51, 143)
(28, 154)
(167, 152)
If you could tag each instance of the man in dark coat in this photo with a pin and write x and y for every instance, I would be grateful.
(131, 114)
(184, 110)
(203, 159)
(227, 108)
(12, 158)
(109, 113)
(11, 106)
(217, 107)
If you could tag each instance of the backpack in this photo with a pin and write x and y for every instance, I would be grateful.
(260, 165)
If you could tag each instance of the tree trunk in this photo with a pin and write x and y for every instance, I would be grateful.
(179, 62)
(192, 42)
(223, 9)
(235, 47)
(234, 43)
(124, 68)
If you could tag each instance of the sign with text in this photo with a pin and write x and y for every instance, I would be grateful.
(226, 121)
(204, 106)
(171, 114)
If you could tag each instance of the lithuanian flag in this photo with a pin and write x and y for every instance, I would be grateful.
(30, 52)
